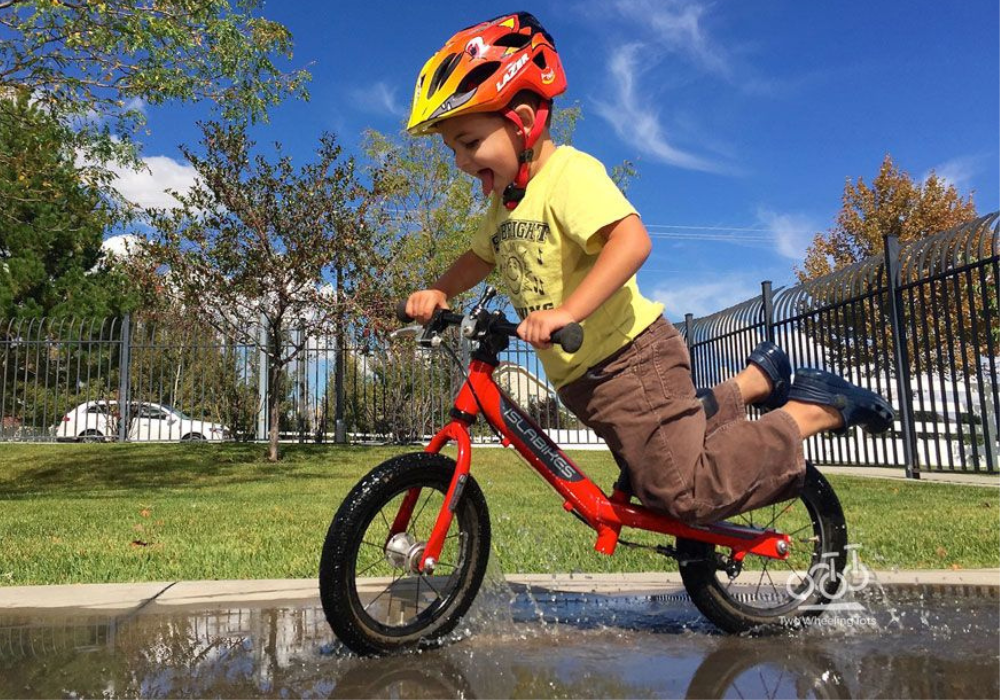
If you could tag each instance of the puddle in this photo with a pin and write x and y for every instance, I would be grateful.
(915, 642)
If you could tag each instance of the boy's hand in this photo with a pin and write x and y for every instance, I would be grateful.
(422, 305)
(539, 326)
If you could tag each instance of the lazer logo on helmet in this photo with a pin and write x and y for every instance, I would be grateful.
(512, 70)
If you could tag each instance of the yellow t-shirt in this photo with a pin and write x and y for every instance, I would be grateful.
(546, 247)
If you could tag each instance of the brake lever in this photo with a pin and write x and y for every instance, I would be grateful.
(428, 338)
(414, 330)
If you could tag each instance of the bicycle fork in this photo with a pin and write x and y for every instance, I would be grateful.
(428, 560)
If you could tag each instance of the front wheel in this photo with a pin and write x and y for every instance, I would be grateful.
(373, 596)
(760, 593)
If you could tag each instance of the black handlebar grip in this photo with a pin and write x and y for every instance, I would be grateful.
(401, 312)
(570, 337)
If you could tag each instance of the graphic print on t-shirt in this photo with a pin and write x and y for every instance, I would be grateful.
(518, 247)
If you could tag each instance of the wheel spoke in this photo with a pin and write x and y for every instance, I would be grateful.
(415, 518)
(392, 596)
(368, 568)
(807, 526)
(774, 586)
(760, 581)
(375, 599)
(431, 586)
(783, 511)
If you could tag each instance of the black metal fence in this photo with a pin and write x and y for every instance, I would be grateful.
(919, 325)
(70, 380)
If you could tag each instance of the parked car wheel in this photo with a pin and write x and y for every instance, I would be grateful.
(193, 437)
(91, 436)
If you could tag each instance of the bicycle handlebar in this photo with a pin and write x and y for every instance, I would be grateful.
(569, 337)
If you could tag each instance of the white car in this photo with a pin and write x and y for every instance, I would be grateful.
(98, 421)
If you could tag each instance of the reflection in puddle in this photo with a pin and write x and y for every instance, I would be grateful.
(907, 643)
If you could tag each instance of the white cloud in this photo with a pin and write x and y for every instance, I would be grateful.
(634, 120)
(378, 98)
(959, 172)
(148, 187)
(703, 298)
(122, 246)
(792, 232)
(677, 26)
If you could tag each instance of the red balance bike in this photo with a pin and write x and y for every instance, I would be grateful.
(406, 552)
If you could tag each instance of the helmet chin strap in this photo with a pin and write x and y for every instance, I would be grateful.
(514, 192)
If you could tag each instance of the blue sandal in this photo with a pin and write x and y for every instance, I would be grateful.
(857, 406)
(773, 362)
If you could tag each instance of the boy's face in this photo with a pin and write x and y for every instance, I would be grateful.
(484, 146)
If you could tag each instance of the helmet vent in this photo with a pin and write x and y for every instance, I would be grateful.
(514, 41)
(540, 60)
(477, 76)
(443, 72)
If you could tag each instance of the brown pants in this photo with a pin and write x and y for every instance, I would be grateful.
(642, 402)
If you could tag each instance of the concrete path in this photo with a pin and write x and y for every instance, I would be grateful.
(117, 598)
(968, 479)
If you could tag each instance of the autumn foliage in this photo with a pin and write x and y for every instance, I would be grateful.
(892, 204)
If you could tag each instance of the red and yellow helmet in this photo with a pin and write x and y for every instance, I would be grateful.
(482, 68)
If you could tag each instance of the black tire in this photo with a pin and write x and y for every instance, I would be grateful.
(428, 607)
(91, 436)
(193, 437)
(751, 670)
(769, 593)
(404, 676)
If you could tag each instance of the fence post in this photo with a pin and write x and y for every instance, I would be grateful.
(688, 332)
(767, 296)
(262, 372)
(901, 355)
(340, 425)
(124, 378)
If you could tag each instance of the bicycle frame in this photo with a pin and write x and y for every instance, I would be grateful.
(480, 395)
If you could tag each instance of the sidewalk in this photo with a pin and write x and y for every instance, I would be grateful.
(162, 597)
(925, 477)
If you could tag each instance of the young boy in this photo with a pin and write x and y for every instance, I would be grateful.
(568, 245)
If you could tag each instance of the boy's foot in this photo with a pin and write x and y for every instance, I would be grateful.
(856, 406)
(772, 361)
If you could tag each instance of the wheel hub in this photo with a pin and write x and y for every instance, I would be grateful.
(404, 552)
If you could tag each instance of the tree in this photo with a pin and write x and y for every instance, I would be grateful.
(98, 62)
(429, 212)
(256, 242)
(893, 204)
(862, 330)
(52, 220)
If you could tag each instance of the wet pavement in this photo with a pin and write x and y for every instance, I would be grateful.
(520, 640)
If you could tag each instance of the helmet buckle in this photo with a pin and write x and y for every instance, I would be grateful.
(512, 195)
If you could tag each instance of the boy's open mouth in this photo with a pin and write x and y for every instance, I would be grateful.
(486, 177)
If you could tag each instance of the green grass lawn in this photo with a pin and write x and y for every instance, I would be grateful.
(112, 513)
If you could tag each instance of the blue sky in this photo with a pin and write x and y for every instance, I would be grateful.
(744, 119)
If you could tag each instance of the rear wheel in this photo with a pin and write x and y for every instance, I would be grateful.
(764, 592)
(373, 596)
